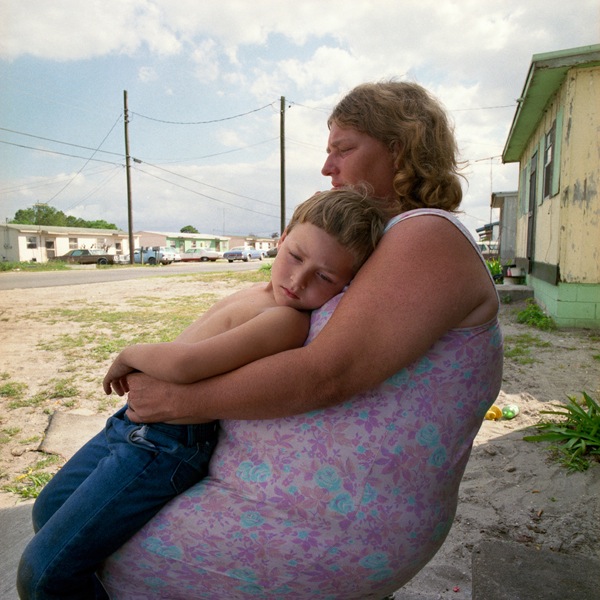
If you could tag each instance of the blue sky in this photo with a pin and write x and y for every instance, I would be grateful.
(204, 82)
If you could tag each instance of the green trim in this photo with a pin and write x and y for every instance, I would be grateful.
(546, 74)
(558, 135)
(539, 180)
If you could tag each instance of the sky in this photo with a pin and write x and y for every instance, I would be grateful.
(204, 82)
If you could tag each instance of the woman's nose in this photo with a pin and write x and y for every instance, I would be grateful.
(328, 167)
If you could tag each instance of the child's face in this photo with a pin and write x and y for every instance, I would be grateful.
(311, 267)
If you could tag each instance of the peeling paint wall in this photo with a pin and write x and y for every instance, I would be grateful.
(567, 224)
(579, 198)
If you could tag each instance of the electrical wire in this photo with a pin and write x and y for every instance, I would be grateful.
(202, 122)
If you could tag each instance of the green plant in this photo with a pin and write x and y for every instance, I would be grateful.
(534, 316)
(29, 485)
(494, 267)
(576, 434)
(265, 268)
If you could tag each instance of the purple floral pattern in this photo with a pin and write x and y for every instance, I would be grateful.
(347, 502)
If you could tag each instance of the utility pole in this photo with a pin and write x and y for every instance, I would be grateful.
(282, 158)
(128, 172)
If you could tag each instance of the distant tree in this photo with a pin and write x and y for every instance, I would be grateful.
(42, 214)
(188, 229)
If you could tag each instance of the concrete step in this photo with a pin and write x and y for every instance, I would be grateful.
(15, 532)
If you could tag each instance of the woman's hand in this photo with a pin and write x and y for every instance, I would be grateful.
(150, 400)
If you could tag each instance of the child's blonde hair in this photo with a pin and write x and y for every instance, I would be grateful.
(350, 215)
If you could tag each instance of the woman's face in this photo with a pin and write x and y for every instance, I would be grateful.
(355, 157)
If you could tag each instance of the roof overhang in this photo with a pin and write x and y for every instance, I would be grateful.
(546, 74)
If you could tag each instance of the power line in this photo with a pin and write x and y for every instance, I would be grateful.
(56, 152)
(86, 162)
(205, 195)
(38, 137)
(202, 122)
(202, 183)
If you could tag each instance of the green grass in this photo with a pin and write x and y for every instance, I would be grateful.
(13, 389)
(574, 431)
(519, 347)
(32, 266)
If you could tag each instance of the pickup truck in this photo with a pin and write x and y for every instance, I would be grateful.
(200, 255)
(153, 255)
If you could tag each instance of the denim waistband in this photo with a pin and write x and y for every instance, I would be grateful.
(187, 435)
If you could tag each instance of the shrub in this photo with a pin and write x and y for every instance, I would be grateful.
(576, 434)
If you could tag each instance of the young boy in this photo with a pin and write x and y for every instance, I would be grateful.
(104, 494)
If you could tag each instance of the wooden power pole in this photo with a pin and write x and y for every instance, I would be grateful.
(128, 172)
(282, 156)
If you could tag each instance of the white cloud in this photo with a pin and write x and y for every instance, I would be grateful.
(215, 58)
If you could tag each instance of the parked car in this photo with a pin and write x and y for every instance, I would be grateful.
(90, 257)
(242, 253)
(272, 252)
(200, 255)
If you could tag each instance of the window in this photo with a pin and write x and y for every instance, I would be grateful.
(549, 160)
(32, 242)
(72, 243)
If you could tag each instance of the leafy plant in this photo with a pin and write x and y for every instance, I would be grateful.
(576, 435)
(494, 267)
(533, 315)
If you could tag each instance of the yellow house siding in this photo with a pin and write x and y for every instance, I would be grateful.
(580, 201)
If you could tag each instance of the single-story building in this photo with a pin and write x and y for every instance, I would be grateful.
(39, 243)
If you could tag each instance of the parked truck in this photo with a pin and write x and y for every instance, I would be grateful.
(153, 255)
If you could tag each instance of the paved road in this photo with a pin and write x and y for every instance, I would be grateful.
(81, 275)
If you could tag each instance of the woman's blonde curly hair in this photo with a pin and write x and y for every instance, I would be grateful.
(415, 127)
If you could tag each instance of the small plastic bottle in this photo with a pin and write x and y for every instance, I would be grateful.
(510, 411)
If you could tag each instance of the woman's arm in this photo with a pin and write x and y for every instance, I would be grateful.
(273, 330)
(424, 279)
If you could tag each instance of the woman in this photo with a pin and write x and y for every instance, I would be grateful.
(338, 467)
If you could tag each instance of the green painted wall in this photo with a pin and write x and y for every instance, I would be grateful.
(569, 304)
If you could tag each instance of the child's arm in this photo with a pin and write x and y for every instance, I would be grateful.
(274, 330)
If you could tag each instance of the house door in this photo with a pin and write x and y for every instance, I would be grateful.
(531, 213)
(50, 249)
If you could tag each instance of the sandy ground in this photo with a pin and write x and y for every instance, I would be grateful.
(511, 490)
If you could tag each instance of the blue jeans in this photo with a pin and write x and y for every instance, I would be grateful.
(110, 488)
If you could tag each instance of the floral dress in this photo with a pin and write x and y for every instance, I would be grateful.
(349, 502)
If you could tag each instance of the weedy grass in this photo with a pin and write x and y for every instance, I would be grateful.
(30, 483)
(33, 266)
(519, 347)
(575, 435)
(534, 316)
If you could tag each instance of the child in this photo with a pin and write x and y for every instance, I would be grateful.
(137, 468)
